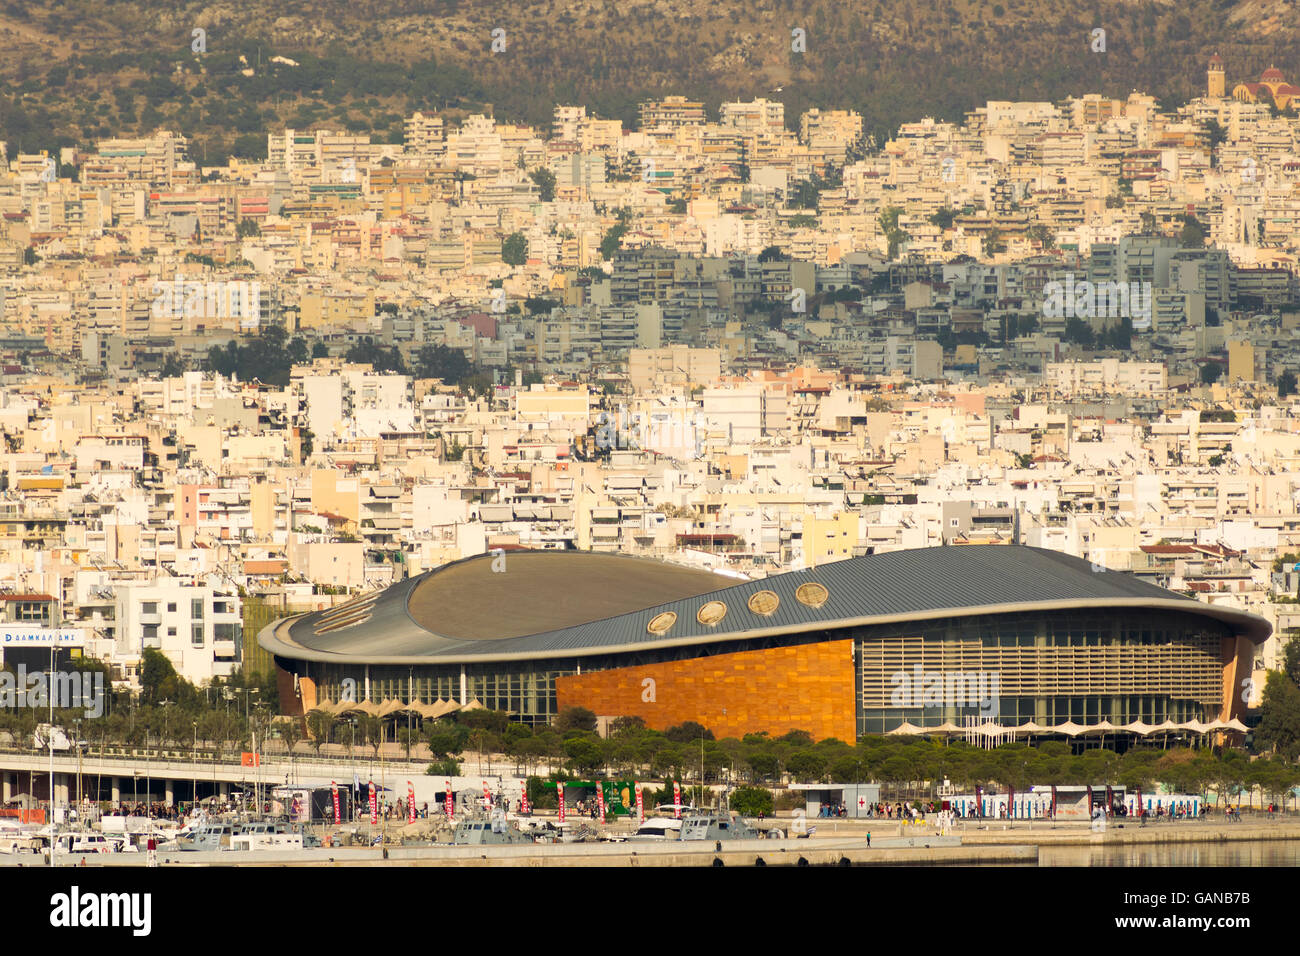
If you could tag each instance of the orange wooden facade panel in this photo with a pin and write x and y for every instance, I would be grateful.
(291, 705)
(807, 687)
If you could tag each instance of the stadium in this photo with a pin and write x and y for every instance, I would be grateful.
(1028, 638)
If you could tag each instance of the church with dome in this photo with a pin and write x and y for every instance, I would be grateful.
(1272, 87)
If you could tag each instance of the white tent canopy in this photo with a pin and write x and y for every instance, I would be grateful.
(1105, 727)
(906, 730)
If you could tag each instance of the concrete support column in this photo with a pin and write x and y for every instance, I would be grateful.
(61, 789)
(6, 787)
(223, 789)
(116, 784)
(169, 793)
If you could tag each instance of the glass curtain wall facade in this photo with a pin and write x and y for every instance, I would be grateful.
(1119, 666)
(527, 691)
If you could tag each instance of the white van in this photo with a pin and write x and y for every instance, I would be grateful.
(84, 843)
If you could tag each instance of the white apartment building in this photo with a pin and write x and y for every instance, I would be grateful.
(1131, 378)
(322, 149)
(110, 453)
(566, 121)
(745, 414)
(152, 159)
(476, 147)
(759, 116)
(424, 135)
(197, 627)
(355, 402)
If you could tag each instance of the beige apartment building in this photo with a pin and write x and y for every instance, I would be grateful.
(677, 365)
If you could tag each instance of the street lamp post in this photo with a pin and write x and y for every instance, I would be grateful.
(248, 692)
(76, 725)
(99, 777)
(225, 729)
(50, 691)
(701, 771)
(164, 704)
(264, 724)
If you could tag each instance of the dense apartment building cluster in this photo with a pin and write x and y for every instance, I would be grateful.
(147, 512)
(735, 234)
(758, 349)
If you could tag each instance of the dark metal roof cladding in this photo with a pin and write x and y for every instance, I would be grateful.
(899, 585)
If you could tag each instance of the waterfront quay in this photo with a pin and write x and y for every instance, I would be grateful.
(839, 843)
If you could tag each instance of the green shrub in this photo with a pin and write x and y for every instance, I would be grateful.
(752, 801)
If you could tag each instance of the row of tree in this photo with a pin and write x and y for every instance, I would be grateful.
(268, 357)
(570, 746)
(170, 711)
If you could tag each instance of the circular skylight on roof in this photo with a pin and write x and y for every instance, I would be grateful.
(812, 594)
(711, 613)
(662, 623)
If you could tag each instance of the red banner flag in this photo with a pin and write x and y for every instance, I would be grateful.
(247, 759)
(449, 804)
(410, 802)
(677, 800)
(600, 802)
(523, 801)
(374, 805)
(334, 788)
(640, 804)
(487, 797)
(559, 790)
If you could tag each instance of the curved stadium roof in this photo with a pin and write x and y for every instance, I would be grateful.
(567, 603)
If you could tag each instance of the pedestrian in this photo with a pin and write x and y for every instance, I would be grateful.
(868, 839)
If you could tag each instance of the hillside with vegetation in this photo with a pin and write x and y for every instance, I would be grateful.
(75, 70)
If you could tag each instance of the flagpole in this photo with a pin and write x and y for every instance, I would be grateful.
(49, 689)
